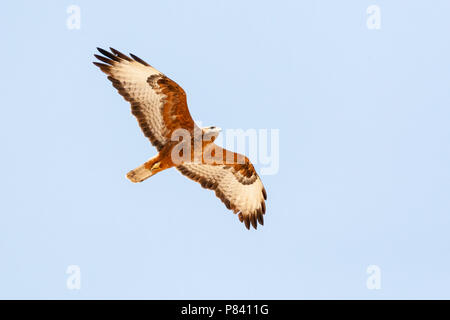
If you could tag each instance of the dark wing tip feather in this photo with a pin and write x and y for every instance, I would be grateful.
(108, 54)
(120, 54)
(253, 221)
(139, 60)
(247, 222)
(260, 218)
(104, 67)
(103, 59)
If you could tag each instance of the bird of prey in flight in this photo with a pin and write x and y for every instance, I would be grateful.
(160, 107)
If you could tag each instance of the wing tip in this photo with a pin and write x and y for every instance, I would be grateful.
(136, 58)
(108, 54)
(260, 218)
(120, 54)
(116, 55)
(104, 67)
(251, 220)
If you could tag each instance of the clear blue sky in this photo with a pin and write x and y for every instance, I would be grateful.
(364, 179)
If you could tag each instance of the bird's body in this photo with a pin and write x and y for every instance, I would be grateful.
(160, 107)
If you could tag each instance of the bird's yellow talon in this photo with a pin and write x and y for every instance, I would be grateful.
(156, 166)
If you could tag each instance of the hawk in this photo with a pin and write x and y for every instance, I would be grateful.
(160, 107)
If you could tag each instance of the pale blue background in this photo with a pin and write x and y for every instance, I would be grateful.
(364, 173)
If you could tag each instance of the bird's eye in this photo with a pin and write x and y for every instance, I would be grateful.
(211, 127)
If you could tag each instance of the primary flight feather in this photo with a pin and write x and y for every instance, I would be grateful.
(160, 106)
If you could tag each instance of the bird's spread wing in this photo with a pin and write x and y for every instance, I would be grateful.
(237, 185)
(158, 103)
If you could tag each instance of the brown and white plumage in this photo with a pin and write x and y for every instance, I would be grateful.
(247, 199)
(160, 106)
(158, 103)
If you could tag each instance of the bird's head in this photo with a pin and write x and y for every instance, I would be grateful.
(211, 133)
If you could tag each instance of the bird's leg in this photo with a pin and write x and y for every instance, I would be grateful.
(155, 165)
